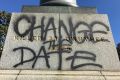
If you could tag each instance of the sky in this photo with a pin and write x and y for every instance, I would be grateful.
(110, 7)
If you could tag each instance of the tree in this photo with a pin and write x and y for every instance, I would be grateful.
(118, 50)
(4, 23)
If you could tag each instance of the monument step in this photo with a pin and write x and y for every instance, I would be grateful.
(58, 75)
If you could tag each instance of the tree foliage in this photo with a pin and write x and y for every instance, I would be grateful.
(4, 23)
(118, 50)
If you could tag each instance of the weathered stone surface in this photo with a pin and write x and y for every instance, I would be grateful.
(69, 54)
(8, 77)
(50, 75)
(59, 9)
(42, 72)
(58, 75)
(9, 72)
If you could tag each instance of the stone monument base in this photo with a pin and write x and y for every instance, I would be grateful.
(80, 51)
(96, 54)
(58, 75)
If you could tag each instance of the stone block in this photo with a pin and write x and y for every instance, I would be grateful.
(58, 9)
(58, 77)
(80, 73)
(111, 73)
(53, 41)
(8, 77)
(9, 72)
(112, 77)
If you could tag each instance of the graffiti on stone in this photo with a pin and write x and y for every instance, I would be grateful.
(58, 44)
